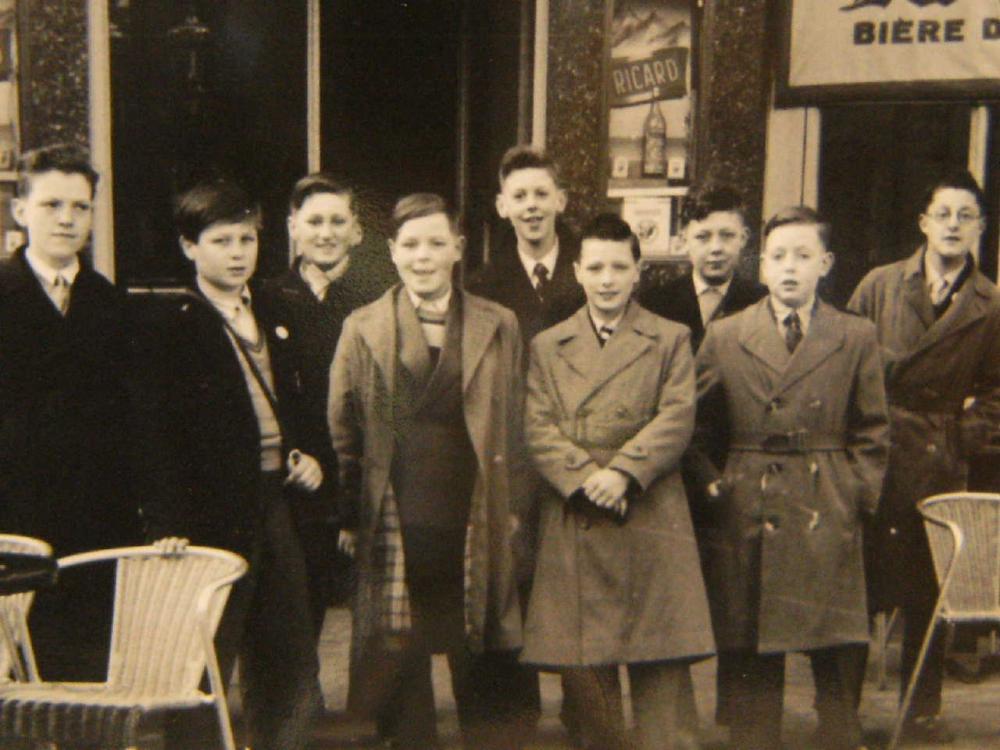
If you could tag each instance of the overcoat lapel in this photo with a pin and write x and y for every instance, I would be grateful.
(759, 337)
(820, 342)
(379, 332)
(967, 307)
(597, 364)
(478, 329)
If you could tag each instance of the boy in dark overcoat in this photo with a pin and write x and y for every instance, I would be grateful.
(938, 323)
(219, 393)
(63, 373)
(806, 424)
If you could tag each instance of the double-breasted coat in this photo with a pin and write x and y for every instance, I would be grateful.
(606, 593)
(808, 441)
(362, 383)
(943, 382)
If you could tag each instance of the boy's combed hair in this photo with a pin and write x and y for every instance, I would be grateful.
(318, 183)
(209, 203)
(526, 157)
(800, 215)
(611, 227)
(958, 179)
(707, 199)
(417, 206)
(57, 157)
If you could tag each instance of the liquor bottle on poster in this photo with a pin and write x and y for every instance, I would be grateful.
(654, 140)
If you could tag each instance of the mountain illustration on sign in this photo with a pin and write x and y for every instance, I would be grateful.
(857, 4)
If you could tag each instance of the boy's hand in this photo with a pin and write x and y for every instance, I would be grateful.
(171, 545)
(606, 488)
(304, 471)
(346, 542)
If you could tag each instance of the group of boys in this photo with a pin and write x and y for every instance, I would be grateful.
(796, 402)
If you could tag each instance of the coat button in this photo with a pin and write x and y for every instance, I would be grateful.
(769, 526)
(931, 448)
(893, 531)
(621, 411)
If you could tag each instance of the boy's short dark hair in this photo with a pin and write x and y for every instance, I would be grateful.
(57, 157)
(526, 157)
(959, 179)
(209, 203)
(317, 183)
(614, 228)
(707, 199)
(800, 215)
(417, 206)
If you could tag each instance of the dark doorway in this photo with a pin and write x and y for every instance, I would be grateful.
(875, 163)
(420, 96)
(203, 89)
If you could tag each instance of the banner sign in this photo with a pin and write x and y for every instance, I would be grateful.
(662, 76)
(842, 50)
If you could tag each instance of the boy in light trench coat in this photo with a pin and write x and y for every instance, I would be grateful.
(609, 413)
(807, 428)
(424, 413)
(938, 323)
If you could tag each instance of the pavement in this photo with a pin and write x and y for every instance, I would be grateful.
(971, 709)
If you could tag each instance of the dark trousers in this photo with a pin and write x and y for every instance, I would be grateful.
(407, 714)
(597, 698)
(757, 697)
(267, 625)
(917, 611)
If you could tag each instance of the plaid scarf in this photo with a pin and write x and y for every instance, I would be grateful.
(391, 594)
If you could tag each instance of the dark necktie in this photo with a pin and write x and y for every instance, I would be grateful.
(793, 330)
(541, 276)
(604, 333)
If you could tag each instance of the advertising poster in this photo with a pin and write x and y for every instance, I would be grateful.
(841, 49)
(648, 84)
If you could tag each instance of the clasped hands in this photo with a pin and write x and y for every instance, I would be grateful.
(607, 488)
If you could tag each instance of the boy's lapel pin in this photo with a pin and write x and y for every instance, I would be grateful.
(281, 332)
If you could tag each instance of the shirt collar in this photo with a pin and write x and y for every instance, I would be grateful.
(932, 276)
(548, 260)
(47, 273)
(700, 285)
(225, 304)
(439, 305)
(599, 324)
(782, 311)
(319, 280)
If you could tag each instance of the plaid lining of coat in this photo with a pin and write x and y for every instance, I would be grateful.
(392, 597)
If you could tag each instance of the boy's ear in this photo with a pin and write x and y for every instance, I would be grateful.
(460, 244)
(561, 199)
(357, 234)
(17, 209)
(828, 259)
(186, 246)
(501, 205)
(392, 246)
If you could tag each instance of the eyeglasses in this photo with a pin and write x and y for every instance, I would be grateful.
(943, 216)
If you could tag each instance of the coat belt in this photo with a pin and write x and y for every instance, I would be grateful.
(793, 441)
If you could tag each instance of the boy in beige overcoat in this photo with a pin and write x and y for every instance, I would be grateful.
(610, 412)
(806, 424)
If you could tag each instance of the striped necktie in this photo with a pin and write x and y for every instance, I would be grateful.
(60, 293)
(433, 324)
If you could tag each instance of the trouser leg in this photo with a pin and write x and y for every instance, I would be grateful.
(596, 696)
(486, 713)
(836, 676)
(918, 609)
(278, 660)
(757, 700)
(655, 688)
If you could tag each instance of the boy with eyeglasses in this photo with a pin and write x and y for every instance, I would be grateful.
(938, 323)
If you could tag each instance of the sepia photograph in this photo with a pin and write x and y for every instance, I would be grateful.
(499, 374)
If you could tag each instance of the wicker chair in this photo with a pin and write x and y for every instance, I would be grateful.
(964, 533)
(167, 609)
(17, 658)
